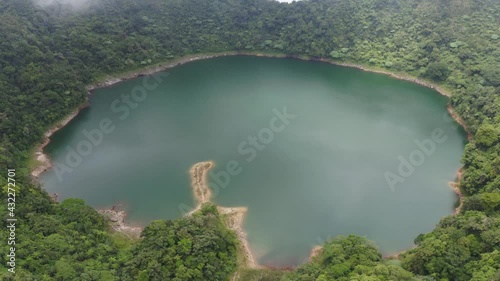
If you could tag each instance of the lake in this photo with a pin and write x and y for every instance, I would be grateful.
(312, 149)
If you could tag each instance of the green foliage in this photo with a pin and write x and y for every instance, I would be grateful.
(336, 54)
(260, 274)
(437, 71)
(348, 258)
(48, 56)
(454, 247)
(487, 268)
(487, 135)
(62, 241)
(191, 248)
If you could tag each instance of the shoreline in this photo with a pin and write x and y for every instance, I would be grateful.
(455, 186)
(117, 222)
(44, 162)
(114, 79)
(201, 192)
(315, 251)
(234, 216)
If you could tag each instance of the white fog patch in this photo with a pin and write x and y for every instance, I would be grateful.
(77, 4)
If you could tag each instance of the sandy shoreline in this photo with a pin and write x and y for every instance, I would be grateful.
(233, 216)
(44, 162)
(201, 192)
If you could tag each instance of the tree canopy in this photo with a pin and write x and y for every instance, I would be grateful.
(49, 53)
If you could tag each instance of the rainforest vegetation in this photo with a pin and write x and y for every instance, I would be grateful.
(48, 54)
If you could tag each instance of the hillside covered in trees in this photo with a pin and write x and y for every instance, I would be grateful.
(50, 53)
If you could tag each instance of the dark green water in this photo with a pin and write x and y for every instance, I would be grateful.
(320, 174)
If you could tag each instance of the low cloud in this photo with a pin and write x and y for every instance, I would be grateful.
(69, 4)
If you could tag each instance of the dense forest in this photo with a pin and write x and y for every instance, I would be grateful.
(50, 53)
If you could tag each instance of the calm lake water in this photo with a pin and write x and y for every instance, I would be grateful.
(313, 150)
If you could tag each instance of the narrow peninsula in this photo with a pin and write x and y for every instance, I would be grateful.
(233, 216)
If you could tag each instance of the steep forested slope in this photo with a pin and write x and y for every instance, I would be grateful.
(49, 54)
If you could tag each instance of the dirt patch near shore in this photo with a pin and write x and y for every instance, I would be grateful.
(234, 218)
(117, 222)
(316, 250)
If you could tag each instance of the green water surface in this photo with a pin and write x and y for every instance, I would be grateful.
(315, 171)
